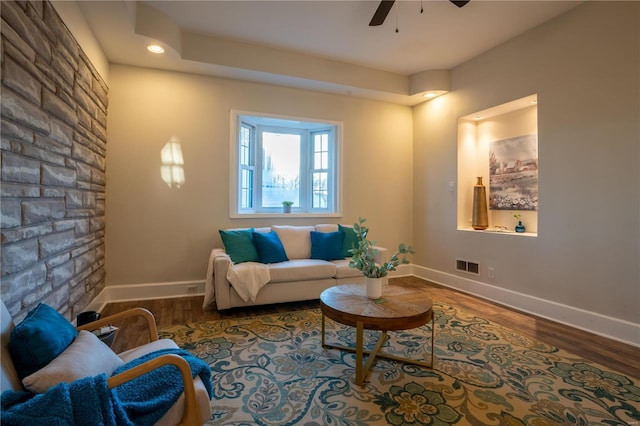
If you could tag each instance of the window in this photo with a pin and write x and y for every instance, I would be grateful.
(280, 159)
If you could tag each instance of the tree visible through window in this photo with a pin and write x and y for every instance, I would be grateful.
(285, 160)
(280, 169)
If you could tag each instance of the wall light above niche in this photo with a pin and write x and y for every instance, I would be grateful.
(172, 168)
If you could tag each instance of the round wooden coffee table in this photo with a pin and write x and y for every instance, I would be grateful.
(399, 308)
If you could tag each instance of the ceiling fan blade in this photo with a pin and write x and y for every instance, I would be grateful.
(459, 3)
(381, 13)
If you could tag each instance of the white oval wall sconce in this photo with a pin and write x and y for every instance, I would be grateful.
(434, 93)
(431, 84)
(155, 48)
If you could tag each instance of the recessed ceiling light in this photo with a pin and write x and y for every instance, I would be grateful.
(154, 48)
(434, 93)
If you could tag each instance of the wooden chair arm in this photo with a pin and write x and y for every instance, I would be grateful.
(147, 315)
(191, 414)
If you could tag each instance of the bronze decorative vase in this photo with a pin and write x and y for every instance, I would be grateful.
(480, 218)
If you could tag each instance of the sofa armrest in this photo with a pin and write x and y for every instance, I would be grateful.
(381, 254)
(221, 285)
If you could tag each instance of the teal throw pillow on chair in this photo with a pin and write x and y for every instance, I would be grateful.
(39, 338)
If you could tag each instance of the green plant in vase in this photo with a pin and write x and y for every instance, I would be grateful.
(364, 253)
(286, 206)
(519, 226)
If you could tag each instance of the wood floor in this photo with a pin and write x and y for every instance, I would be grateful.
(619, 356)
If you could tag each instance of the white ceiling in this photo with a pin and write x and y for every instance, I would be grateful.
(321, 45)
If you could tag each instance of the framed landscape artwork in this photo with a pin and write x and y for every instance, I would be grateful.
(513, 173)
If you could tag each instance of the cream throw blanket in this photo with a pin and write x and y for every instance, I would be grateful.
(246, 278)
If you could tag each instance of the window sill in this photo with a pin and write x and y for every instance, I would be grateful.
(282, 215)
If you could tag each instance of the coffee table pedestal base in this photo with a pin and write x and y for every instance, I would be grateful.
(363, 369)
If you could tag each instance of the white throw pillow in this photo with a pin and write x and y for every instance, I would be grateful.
(86, 356)
(296, 240)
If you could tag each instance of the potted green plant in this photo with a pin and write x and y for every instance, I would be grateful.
(286, 206)
(364, 260)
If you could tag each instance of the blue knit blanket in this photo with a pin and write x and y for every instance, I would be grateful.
(89, 401)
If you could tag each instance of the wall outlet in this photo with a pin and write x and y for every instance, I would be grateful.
(491, 272)
(192, 289)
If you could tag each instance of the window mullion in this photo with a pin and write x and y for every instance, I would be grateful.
(331, 183)
(257, 178)
(305, 168)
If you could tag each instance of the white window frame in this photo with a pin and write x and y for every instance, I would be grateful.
(269, 122)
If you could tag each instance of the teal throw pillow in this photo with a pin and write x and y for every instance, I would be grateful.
(39, 338)
(239, 245)
(327, 245)
(270, 248)
(350, 240)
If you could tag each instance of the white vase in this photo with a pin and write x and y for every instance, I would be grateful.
(373, 287)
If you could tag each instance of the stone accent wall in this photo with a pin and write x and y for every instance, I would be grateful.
(54, 144)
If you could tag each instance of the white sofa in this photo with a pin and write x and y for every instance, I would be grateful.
(299, 278)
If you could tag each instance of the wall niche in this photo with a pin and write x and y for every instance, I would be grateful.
(500, 144)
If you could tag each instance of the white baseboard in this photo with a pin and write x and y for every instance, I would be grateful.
(612, 328)
(146, 291)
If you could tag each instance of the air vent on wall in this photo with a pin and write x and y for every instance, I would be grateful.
(468, 266)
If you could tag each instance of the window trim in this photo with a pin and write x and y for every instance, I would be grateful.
(234, 178)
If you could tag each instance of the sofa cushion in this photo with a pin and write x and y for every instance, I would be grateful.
(326, 245)
(147, 348)
(239, 245)
(343, 270)
(327, 227)
(39, 338)
(270, 249)
(301, 270)
(296, 240)
(87, 356)
(350, 240)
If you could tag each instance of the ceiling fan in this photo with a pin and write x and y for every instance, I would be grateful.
(385, 6)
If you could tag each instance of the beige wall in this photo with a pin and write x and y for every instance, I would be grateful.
(584, 66)
(158, 234)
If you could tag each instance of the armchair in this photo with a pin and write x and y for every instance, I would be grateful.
(191, 408)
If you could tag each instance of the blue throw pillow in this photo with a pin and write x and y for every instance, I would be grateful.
(327, 245)
(39, 338)
(239, 245)
(269, 246)
(350, 240)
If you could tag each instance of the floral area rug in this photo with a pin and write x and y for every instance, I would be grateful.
(272, 370)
